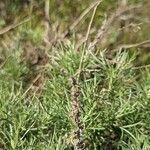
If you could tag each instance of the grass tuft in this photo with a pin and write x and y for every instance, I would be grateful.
(114, 104)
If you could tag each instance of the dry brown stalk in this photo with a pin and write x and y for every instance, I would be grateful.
(61, 36)
(75, 116)
(107, 24)
(12, 26)
(47, 24)
(83, 14)
(91, 21)
(86, 38)
(127, 46)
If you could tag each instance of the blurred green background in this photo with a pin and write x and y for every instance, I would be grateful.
(62, 14)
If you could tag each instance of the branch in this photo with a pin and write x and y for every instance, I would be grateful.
(75, 23)
(83, 14)
(107, 24)
(12, 26)
(127, 46)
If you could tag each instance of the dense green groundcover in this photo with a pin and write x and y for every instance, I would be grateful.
(115, 100)
(114, 94)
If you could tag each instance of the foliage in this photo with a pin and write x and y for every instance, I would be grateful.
(115, 106)
(113, 77)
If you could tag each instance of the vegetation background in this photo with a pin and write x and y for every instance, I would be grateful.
(74, 74)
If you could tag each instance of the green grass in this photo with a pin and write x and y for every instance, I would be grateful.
(115, 104)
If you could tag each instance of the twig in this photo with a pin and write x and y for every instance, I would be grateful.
(127, 46)
(91, 21)
(12, 26)
(47, 4)
(83, 14)
(107, 24)
(47, 24)
(87, 35)
(83, 39)
(75, 23)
